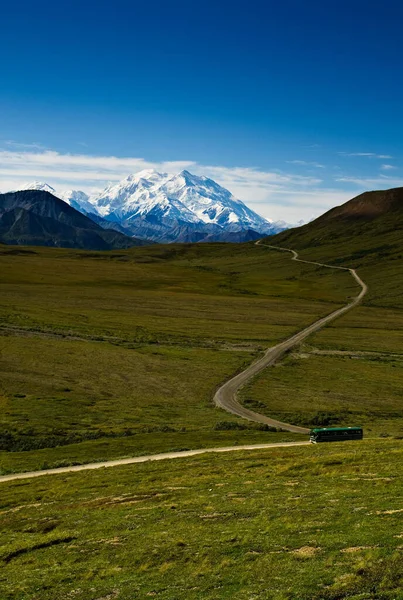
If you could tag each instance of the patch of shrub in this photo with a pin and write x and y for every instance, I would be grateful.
(11, 442)
(228, 426)
(381, 581)
(325, 419)
(233, 425)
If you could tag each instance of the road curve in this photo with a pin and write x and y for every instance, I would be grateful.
(226, 396)
(143, 459)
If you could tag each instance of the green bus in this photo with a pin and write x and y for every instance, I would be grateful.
(335, 434)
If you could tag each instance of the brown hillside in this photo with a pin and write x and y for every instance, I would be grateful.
(368, 206)
(367, 221)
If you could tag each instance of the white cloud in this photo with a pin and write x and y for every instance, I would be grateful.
(383, 181)
(274, 194)
(387, 167)
(306, 163)
(365, 154)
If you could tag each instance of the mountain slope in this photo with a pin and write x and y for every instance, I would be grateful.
(362, 224)
(75, 198)
(37, 217)
(365, 233)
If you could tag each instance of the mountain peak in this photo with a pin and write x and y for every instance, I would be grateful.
(150, 174)
(190, 178)
(38, 185)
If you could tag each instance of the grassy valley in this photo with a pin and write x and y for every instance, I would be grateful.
(115, 354)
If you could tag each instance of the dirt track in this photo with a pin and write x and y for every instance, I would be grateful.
(226, 395)
(143, 459)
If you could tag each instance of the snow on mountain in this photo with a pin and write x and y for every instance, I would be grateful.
(166, 208)
(75, 198)
(38, 185)
(141, 195)
(78, 200)
(183, 198)
(212, 203)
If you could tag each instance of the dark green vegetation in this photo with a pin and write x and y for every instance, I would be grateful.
(366, 234)
(312, 389)
(38, 218)
(310, 523)
(115, 354)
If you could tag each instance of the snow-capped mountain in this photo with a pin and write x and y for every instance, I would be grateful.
(176, 207)
(168, 208)
(142, 195)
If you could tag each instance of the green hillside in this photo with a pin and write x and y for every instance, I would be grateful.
(364, 233)
(367, 228)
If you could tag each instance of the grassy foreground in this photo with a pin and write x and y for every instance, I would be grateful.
(310, 523)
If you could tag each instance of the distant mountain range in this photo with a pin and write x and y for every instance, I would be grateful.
(37, 218)
(170, 208)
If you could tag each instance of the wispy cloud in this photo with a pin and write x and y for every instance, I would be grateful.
(88, 170)
(388, 167)
(275, 194)
(366, 155)
(368, 182)
(305, 163)
(20, 146)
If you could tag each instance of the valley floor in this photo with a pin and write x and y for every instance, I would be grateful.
(110, 355)
(106, 355)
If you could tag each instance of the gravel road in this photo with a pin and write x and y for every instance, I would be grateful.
(226, 395)
(143, 459)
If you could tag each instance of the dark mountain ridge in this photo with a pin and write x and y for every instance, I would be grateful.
(36, 217)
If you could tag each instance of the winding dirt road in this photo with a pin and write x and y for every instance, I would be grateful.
(226, 395)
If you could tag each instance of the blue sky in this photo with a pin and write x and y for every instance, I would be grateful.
(294, 106)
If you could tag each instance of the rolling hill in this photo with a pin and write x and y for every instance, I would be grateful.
(365, 233)
(366, 229)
